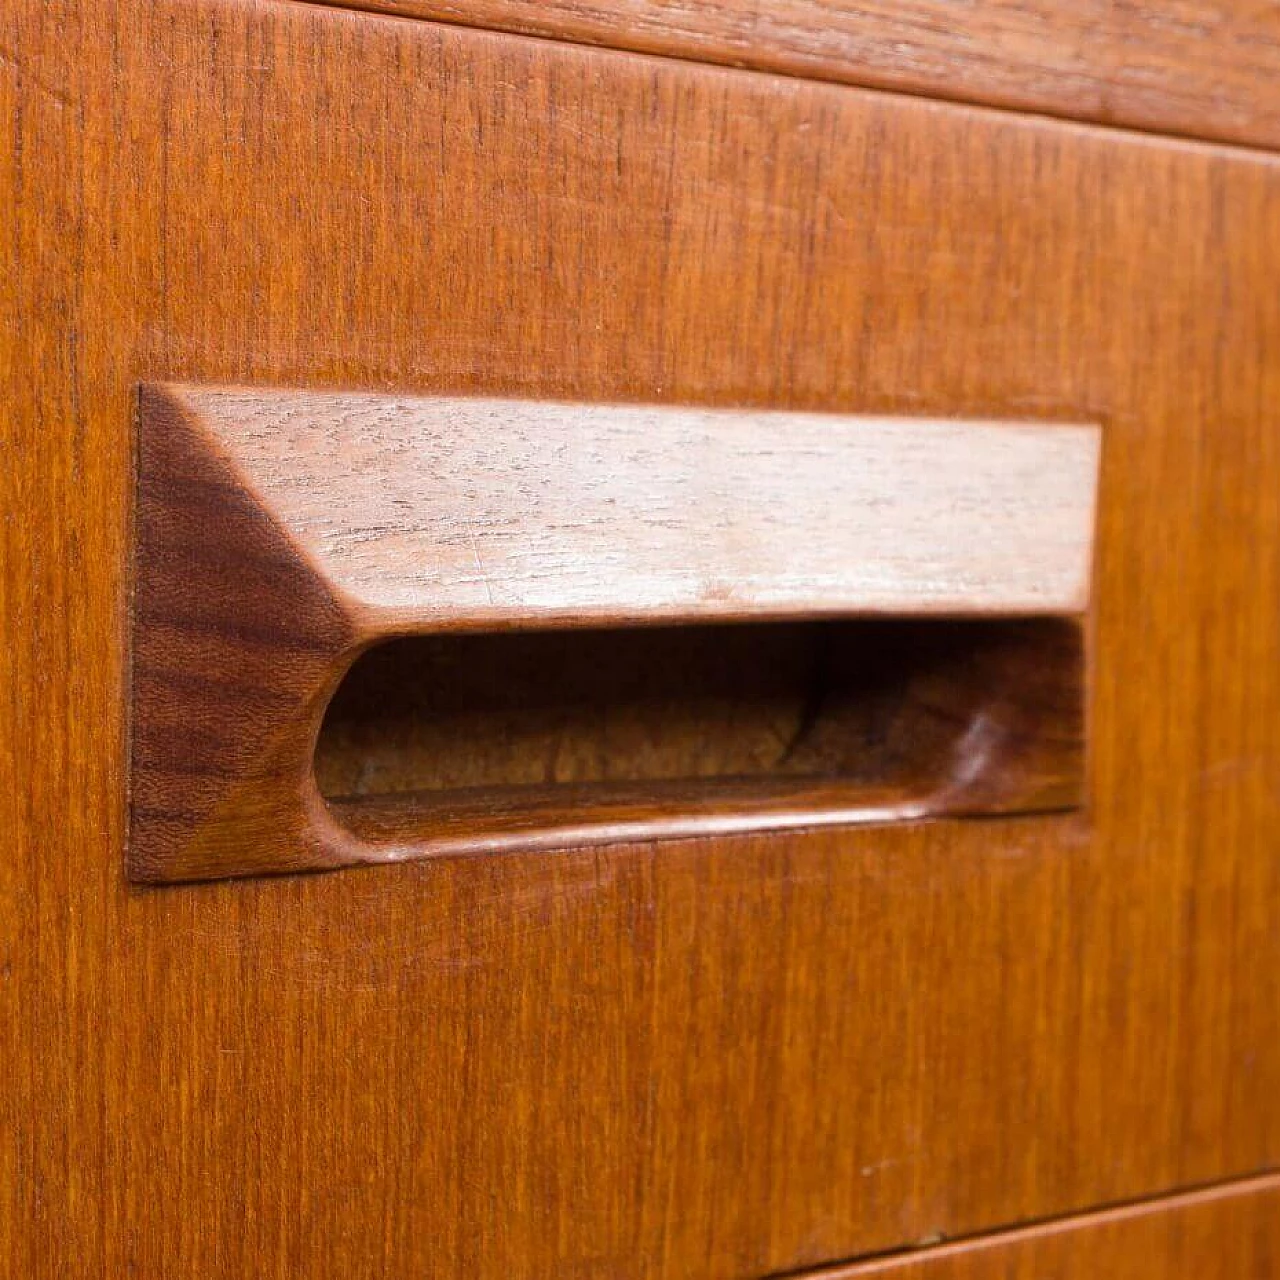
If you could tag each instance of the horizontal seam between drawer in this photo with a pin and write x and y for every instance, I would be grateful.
(863, 83)
(1184, 1197)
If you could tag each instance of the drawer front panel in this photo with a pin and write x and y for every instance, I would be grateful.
(716, 1056)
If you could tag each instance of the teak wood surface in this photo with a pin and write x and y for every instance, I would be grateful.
(279, 534)
(720, 1057)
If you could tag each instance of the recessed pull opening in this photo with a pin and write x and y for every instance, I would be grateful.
(527, 739)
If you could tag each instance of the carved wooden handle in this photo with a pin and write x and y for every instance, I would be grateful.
(280, 534)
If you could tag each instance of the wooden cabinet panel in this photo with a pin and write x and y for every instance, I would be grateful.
(717, 1057)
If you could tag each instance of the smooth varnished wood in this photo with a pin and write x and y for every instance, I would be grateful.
(280, 534)
(1200, 68)
(714, 1057)
(1228, 1230)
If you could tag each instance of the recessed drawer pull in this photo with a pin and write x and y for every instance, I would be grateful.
(584, 623)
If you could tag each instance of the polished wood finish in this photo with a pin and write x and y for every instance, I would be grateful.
(714, 1057)
(1200, 68)
(1227, 1231)
(279, 535)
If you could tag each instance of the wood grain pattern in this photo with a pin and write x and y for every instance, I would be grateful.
(279, 535)
(747, 1054)
(1199, 68)
(424, 514)
(1225, 1231)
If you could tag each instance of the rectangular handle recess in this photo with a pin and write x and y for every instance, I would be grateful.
(576, 623)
